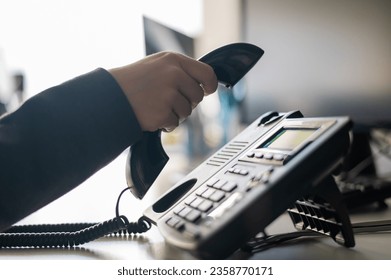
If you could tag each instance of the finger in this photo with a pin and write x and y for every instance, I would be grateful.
(191, 90)
(181, 107)
(201, 72)
(172, 122)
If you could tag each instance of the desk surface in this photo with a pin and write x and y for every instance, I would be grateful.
(95, 201)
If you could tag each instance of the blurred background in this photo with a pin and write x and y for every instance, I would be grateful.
(321, 57)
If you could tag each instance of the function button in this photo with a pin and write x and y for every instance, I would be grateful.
(243, 172)
(201, 190)
(196, 202)
(211, 182)
(179, 209)
(205, 206)
(193, 216)
(259, 155)
(230, 186)
(219, 184)
(250, 154)
(279, 157)
(189, 200)
(175, 223)
(183, 213)
(217, 196)
(268, 156)
(208, 193)
(238, 171)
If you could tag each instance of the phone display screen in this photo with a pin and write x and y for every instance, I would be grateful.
(288, 139)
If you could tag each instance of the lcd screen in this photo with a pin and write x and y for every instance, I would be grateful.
(288, 139)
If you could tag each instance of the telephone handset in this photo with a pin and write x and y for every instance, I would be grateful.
(147, 158)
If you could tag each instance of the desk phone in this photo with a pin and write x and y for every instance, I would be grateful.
(249, 182)
(280, 162)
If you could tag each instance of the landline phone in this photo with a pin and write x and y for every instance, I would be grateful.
(280, 162)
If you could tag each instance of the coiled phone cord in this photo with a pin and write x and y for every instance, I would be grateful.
(70, 234)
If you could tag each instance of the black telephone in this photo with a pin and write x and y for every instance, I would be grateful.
(282, 161)
(252, 180)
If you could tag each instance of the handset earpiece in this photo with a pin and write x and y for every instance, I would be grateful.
(231, 62)
(147, 158)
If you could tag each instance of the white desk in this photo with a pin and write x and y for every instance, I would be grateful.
(95, 201)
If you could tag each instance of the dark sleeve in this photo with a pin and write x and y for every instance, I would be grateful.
(60, 137)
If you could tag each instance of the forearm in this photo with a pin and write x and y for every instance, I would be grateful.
(59, 138)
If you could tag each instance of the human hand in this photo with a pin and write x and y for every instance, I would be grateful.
(164, 88)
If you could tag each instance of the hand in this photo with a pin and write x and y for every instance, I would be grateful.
(164, 88)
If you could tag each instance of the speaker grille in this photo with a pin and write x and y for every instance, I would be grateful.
(227, 153)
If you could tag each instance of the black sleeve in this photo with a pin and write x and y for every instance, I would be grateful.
(60, 137)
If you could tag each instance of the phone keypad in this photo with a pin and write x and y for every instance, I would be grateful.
(206, 198)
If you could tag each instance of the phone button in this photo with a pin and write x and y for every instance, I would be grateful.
(196, 202)
(208, 193)
(219, 184)
(211, 182)
(238, 171)
(258, 155)
(217, 196)
(268, 156)
(279, 157)
(183, 213)
(175, 223)
(205, 206)
(229, 187)
(193, 216)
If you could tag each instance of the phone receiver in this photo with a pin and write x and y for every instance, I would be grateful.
(147, 158)
(231, 62)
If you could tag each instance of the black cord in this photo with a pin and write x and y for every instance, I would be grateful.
(70, 235)
(118, 201)
(264, 242)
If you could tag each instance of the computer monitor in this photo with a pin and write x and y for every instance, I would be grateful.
(160, 37)
(325, 58)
